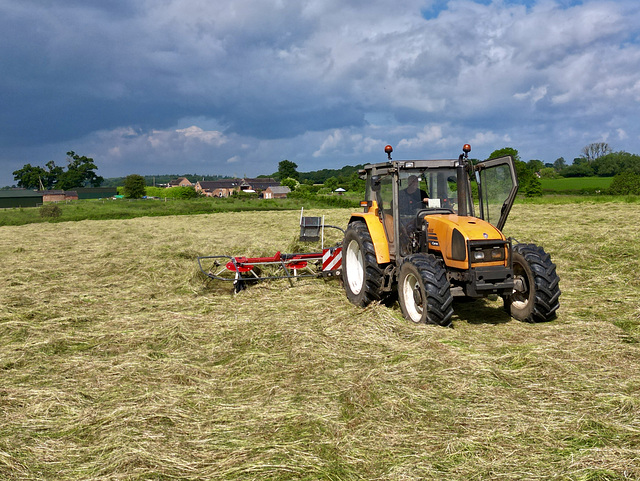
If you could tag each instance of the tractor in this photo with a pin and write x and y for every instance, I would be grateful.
(422, 237)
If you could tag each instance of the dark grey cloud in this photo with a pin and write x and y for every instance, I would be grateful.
(224, 86)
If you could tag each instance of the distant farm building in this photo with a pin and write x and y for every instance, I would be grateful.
(32, 198)
(227, 187)
(96, 192)
(180, 182)
(258, 185)
(19, 198)
(218, 188)
(277, 192)
(58, 195)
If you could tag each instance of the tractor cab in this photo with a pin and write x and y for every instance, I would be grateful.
(411, 194)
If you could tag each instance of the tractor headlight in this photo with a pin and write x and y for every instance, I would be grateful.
(487, 253)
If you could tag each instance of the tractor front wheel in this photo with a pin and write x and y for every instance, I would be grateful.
(423, 290)
(537, 291)
(361, 274)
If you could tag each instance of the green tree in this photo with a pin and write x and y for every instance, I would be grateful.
(533, 187)
(80, 172)
(559, 164)
(595, 150)
(616, 162)
(535, 165)
(52, 175)
(549, 173)
(134, 186)
(504, 152)
(290, 182)
(184, 192)
(29, 177)
(626, 183)
(577, 169)
(331, 183)
(524, 175)
(287, 169)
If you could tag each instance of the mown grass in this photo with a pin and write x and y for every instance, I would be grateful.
(119, 361)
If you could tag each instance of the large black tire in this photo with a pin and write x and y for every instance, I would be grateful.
(537, 300)
(423, 290)
(361, 274)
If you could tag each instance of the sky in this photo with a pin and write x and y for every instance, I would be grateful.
(234, 87)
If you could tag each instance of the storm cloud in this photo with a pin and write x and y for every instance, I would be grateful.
(212, 87)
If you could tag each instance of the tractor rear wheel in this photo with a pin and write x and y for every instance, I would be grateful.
(424, 291)
(361, 274)
(537, 292)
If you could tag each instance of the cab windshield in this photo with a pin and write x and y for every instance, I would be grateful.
(427, 189)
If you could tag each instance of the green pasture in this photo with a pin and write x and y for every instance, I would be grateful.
(576, 185)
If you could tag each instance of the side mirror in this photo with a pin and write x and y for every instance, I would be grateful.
(375, 183)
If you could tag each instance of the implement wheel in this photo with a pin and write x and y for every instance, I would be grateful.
(537, 292)
(361, 273)
(423, 290)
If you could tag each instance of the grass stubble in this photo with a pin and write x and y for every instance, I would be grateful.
(119, 361)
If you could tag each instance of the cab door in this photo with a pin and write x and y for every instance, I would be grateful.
(383, 191)
(497, 188)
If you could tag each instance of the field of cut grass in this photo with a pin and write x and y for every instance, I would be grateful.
(119, 361)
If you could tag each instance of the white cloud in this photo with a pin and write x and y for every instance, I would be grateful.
(346, 142)
(533, 95)
(212, 137)
(429, 135)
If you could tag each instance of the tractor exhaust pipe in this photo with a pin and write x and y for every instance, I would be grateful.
(463, 183)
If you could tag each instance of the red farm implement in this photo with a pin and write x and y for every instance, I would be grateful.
(243, 270)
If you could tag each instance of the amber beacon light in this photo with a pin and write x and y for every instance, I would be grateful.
(388, 149)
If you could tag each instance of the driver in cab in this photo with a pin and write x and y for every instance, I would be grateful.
(413, 198)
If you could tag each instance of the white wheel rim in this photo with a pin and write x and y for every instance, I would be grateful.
(355, 267)
(414, 310)
(521, 299)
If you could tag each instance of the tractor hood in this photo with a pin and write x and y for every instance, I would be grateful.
(472, 228)
(451, 233)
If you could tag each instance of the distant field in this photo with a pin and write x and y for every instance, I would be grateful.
(119, 361)
(576, 184)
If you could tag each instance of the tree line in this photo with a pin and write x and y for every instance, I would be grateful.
(596, 159)
(80, 172)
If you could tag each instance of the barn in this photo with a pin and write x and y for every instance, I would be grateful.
(19, 198)
(276, 192)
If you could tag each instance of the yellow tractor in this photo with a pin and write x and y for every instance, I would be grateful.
(422, 235)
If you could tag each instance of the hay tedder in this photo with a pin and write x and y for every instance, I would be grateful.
(243, 270)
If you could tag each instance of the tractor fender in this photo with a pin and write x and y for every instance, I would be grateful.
(378, 236)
